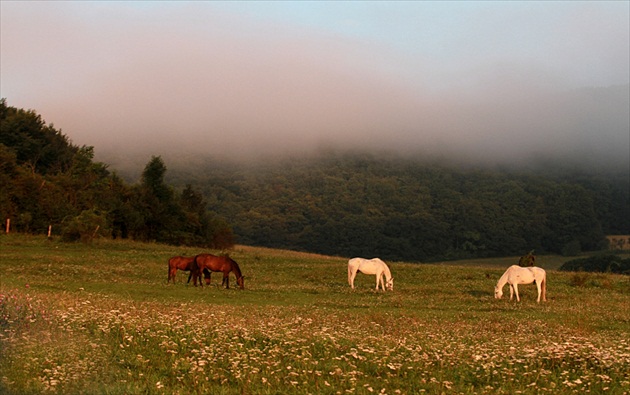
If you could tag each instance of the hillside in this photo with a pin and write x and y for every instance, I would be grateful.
(406, 209)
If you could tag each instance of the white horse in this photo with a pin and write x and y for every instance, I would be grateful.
(522, 275)
(371, 266)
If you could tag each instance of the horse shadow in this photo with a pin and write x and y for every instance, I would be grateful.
(475, 293)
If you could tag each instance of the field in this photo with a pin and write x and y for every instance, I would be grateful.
(100, 319)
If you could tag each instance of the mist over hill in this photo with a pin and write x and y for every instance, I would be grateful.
(587, 128)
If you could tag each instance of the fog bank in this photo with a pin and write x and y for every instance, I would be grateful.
(485, 82)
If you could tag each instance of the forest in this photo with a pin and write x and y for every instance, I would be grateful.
(48, 181)
(403, 209)
(336, 203)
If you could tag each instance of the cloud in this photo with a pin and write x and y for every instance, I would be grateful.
(205, 79)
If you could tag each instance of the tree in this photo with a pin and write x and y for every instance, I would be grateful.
(163, 218)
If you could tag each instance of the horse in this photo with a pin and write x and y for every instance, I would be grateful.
(371, 266)
(183, 263)
(213, 263)
(527, 260)
(515, 275)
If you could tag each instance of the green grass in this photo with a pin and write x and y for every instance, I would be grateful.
(100, 319)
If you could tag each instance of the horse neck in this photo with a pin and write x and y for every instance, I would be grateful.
(503, 280)
(388, 274)
(235, 269)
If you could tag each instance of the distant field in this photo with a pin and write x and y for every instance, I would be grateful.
(100, 319)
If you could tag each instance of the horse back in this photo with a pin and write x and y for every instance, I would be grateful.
(205, 261)
(367, 266)
(216, 263)
(525, 275)
(181, 262)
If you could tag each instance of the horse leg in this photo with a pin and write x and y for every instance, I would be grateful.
(516, 292)
(171, 275)
(511, 291)
(381, 279)
(351, 274)
(543, 286)
(196, 274)
(226, 280)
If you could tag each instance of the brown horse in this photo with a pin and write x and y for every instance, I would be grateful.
(186, 264)
(215, 263)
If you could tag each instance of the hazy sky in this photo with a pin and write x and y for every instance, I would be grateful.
(487, 80)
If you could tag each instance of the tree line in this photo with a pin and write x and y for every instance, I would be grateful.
(46, 180)
(397, 208)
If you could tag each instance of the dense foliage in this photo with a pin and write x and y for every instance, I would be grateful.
(605, 263)
(402, 209)
(46, 180)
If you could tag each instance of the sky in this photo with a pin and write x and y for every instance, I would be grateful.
(493, 81)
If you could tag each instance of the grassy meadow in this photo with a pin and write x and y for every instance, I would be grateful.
(101, 319)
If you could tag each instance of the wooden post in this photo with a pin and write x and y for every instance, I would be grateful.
(8, 225)
(49, 230)
(96, 230)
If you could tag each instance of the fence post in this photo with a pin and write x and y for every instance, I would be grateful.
(96, 230)
(8, 225)
(49, 230)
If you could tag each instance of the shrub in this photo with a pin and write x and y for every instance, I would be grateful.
(85, 227)
(605, 263)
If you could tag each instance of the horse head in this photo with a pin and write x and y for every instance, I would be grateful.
(498, 293)
(241, 282)
(390, 284)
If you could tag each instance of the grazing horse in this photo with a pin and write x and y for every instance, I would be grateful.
(213, 263)
(183, 263)
(371, 266)
(522, 275)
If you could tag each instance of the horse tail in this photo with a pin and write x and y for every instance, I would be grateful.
(169, 271)
(543, 288)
